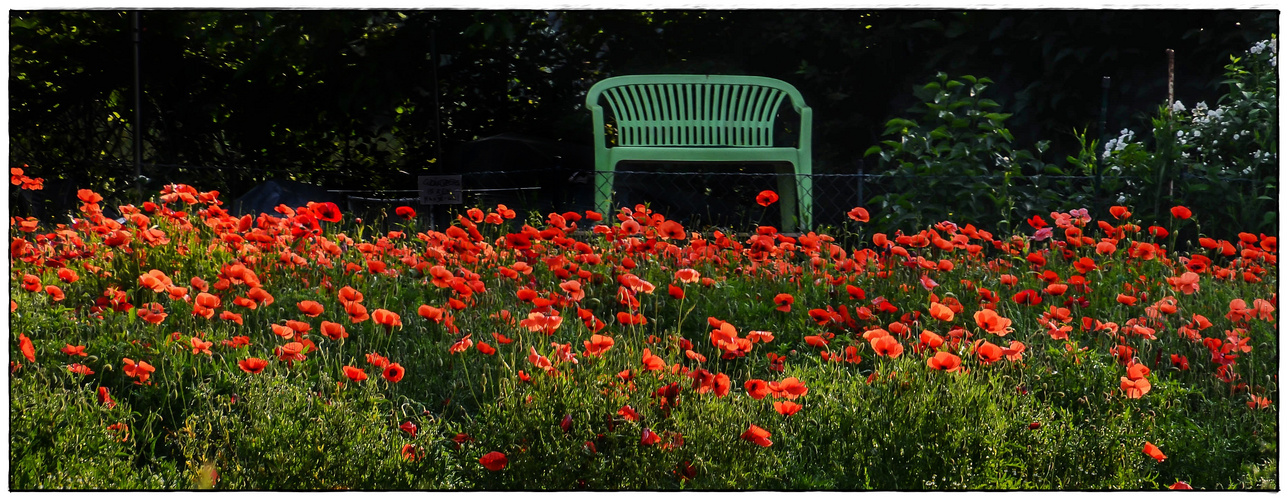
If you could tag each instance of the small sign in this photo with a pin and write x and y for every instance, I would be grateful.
(440, 189)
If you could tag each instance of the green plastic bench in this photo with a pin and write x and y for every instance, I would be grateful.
(716, 118)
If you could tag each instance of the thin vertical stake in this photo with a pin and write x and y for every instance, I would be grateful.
(138, 110)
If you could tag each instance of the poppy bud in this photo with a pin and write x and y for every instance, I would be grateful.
(1035, 425)
(566, 424)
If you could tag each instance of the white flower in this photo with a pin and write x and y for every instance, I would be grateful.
(1257, 48)
(1177, 107)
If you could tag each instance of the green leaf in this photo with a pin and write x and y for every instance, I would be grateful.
(872, 150)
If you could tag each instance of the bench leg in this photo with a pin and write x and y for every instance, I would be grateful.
(787, 202)
(805, 189)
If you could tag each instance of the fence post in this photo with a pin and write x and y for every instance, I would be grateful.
(859, 185)
(138, 109)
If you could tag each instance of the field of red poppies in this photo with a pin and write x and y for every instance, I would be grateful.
(181, 347)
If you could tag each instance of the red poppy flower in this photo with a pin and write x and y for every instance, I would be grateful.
(355, 374)
(941, 312)
(31, 283)
(1181, 212)
(25, 345)
(105, 398)
(1119, 212)
(200, 346)
(333, 331)
(629, 413)
(377, 360)
(461, 345)
(687, 276)
(252, 365)
(411, 452)
(1258, 402)
(394, 372)
(757, 435)
(886, 345)
(987, 352)
(653, 362)
(597, 344)
(945, 361)
(405, 212)
(74, 350)
(409, 428)
(1180, 485)
(327, 211)
(626, 318)
(1154, 452)
(140, 371)
(231, 316)
(310, 308)
(430, 313)
(786, 408)
(757, 388)
(789, 388)
(67, 275)
(1028, 297)
(494, 461)
(80, 369)
(670, 230)
(766, 198)
(539, 322)
(859, 214)
(649, 438)
(991, 322)
(1134, 389)
(816, 341)
(784, 302)
(386, 318)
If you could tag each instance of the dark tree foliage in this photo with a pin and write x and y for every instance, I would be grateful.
(370, 99)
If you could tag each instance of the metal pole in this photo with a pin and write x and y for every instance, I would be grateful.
(861, 200)
(1104, 121)
(1104, 107)
(1171, 98)
(138, 110)
(1171, 79)
(438, 120)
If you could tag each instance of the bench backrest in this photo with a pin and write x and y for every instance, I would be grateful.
(693, 110)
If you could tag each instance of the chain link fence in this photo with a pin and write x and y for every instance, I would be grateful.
(697, 195)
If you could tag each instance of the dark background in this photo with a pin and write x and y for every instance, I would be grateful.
(371, 99)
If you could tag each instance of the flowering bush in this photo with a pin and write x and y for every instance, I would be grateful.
(186, 347)
(1224, 158)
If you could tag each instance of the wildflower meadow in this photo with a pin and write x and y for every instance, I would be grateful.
(183, 347)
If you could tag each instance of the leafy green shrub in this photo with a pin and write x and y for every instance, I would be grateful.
(958, 163)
